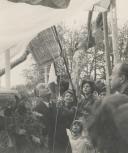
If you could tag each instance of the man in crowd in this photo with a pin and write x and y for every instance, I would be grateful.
(58, 115)
(119, 82)
(108, 130)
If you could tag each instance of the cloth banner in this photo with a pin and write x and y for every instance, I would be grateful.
(49, 3)
(102, 5)
(44, 47)
(21, 22)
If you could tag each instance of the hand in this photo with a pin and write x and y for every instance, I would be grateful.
(35, 139)
(74, 108)
(59, 103)
(37, 114)
(85, 114)
(22, 131)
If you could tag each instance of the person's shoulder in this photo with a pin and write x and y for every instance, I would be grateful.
(52, 103)
(41, 107)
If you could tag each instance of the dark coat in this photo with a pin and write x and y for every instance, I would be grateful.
(124, 89)
(85, 106)
(60, 119)
(108, 130)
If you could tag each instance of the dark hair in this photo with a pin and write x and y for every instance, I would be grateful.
(100, 86)
(68, 91)
(108, 129)
(91, 83)
(124, 69)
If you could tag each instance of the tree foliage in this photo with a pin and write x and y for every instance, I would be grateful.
(91, 62)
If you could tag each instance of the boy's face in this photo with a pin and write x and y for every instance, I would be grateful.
(87, 89)
(68, 98)
(103, 94)
(76, 128)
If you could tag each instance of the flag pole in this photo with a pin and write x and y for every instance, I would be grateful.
(114, 32)
(7, 69)
(65, 62)
(107, 54)
(45, 75)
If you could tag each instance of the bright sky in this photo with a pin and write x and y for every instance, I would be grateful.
(74, 22)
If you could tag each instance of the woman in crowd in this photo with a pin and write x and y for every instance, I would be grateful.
(86, 101)
(61, 117)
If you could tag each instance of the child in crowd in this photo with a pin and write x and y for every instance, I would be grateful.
(79, 144)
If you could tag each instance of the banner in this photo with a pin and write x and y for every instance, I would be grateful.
(102, 5)
(21, 22)
(44, 47)
(49, 3)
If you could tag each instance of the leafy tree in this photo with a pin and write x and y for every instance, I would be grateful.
(123, 42)
(91, 62)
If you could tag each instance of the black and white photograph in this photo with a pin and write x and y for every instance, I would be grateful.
(63, 76)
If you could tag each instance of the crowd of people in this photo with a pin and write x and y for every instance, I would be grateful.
(95, 123)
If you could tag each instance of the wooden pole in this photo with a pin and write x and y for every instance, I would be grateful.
(45, 75)
(114, 32)
(65, 62)
(0, 81)
(107, 55)
(7, 69)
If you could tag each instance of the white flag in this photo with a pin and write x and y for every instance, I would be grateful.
(102, 5)
(52, 75)
(21, 22)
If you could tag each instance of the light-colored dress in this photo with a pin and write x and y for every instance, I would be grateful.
(78, 144)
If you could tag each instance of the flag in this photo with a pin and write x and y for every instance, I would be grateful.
(52, 82)
(98, 29)
(102, 5)
(52, 75)
(44, 48)
(21, 22)
(48, 3)
(95, 30)
(90, 38)
(99, 21)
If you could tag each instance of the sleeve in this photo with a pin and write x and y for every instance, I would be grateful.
(69, 134)
(87, 147)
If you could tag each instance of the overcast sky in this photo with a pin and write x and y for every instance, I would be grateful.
(74, 22)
